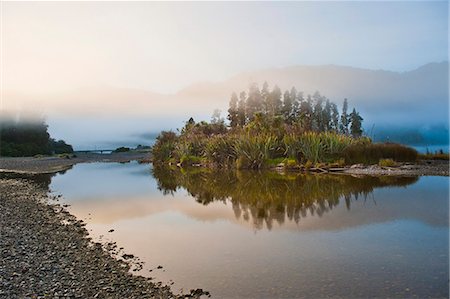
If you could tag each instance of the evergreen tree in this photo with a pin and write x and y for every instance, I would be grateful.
(216, 117)
(233, 114)
(265, 96)
(286, 110)
(306, 112)
(254, 102)
(317, 117)
(295, 104)
(356, 124)
(242, 118)
(334, 118)
(326, 116)
(343, 127)
(275, 102)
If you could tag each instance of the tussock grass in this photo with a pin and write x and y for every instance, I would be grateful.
(371, 153)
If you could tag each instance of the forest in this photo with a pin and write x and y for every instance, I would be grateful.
(25, 138)
(267, 128)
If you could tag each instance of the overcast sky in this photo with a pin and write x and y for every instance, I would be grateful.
(70, 54)
(51, 46)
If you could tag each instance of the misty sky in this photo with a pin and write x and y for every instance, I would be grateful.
(50, 48)
(165, 46)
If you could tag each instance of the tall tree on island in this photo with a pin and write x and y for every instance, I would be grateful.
(343, 127)
(275, 102)
(265, 97)
(295, 104)
(334, 118)
(317, 117)
(356, 124)
(326, 116)
(286, 109)
(242, 118)
(233, 113)
(254, 102)
(306, 113)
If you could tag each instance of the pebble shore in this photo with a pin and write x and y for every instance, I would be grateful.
(45, 252)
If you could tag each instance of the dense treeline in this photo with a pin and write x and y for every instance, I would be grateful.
(21, 138)
(311, 113)
(267, 127)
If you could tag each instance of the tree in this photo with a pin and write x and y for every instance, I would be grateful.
(216, 117)
(275, 102)
(334, 118)
(326, 116)
(317, 117)
(295, 104)
(242, 118)
(343, 127)
(254, 102)
(233, 113)
(265, 96)
(306, 112)
(286, 110)
(356, 124)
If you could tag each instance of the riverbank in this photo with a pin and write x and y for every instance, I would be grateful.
(419, 168)
(42, 165)
(53, 164)
(47, 253)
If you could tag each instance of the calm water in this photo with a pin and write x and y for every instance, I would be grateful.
(267, 235)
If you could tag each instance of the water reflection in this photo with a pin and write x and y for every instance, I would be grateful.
(331, 236)
(268, 197)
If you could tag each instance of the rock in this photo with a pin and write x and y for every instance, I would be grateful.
(357, 166)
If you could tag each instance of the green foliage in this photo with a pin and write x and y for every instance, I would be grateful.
(60, 147)
(251, 152)
(434, 156)
(387, 163)
(267, 125)
(164, 147)
(371, 153)
(121, 149)
(19, 138)
(221, 150)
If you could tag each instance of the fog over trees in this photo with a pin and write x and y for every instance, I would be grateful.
(311, 112)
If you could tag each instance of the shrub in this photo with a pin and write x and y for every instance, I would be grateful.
(163, 149)
(372, 153)
(435, 156)
(252, 152)
(60, 147)
(121, 149)
(220, 150)
(387, 163)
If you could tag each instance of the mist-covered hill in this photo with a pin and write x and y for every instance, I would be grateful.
(414, 97)
(400, 105)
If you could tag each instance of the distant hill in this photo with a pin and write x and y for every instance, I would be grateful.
(390, 102)
(418, 96)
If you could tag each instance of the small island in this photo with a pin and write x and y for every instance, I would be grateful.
(268, 129)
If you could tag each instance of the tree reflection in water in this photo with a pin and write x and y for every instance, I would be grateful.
(265, 197)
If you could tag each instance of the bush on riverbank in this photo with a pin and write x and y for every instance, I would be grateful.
(372, 153)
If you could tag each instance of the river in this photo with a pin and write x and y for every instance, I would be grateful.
(266, 235)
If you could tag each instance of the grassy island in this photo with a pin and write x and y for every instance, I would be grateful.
(268, 128)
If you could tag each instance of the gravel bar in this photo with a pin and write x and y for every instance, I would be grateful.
(40, 165)
(45, 252)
